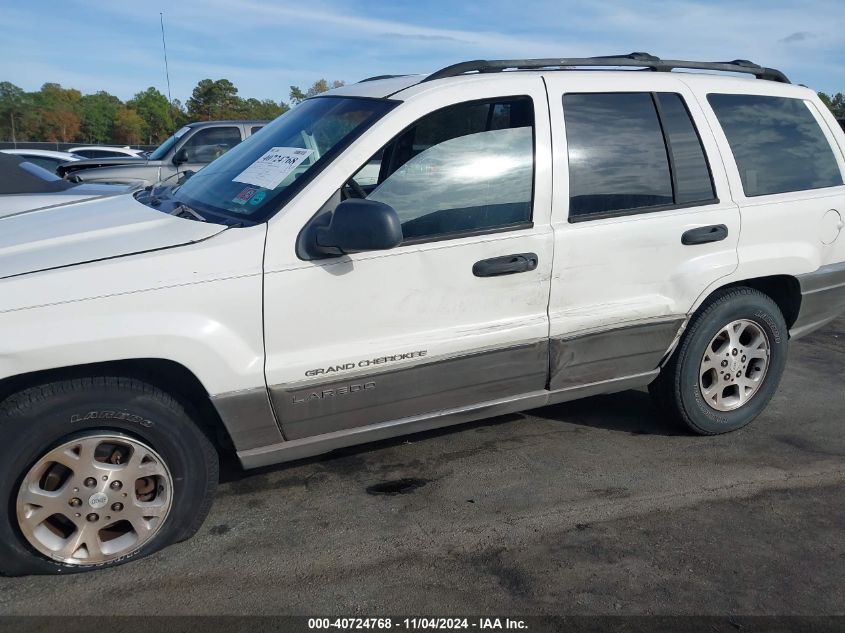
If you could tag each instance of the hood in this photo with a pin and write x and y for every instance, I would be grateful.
(13, 204)
(79, 232)
(94, 189)
(91, 163)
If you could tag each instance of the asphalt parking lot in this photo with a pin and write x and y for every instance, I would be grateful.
(591, 507)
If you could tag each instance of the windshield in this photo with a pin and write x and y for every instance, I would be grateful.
(254, 178)
(161, 151)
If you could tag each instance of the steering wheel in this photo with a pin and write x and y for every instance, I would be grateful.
(357, 189)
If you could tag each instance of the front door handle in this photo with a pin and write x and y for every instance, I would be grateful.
(704, 235)
(506, 265)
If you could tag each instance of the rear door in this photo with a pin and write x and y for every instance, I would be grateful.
(643, 221)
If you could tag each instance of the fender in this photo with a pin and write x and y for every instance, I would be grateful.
(199, 305)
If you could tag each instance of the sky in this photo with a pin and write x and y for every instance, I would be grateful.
(265, 46)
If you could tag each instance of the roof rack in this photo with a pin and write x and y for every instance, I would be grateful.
(378, 77)
(640, 60)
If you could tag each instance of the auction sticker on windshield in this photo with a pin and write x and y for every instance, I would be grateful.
(273, 167)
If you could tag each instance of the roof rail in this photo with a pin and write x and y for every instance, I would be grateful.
(640, 60)
(378, 77)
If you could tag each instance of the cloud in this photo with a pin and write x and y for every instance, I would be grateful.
(798, 36)
(424, 38)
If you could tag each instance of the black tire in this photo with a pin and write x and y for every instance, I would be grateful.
(40, 418)
(677, 390)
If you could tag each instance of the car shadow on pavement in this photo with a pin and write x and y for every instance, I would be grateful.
(230, 468)
(629, 412)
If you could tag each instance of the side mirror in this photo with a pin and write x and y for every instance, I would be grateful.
(356, 226)
(180, 157)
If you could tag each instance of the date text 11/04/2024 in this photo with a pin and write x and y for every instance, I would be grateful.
(422, 623)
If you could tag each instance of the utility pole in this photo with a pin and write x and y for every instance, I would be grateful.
(14, 139)
(164, 46)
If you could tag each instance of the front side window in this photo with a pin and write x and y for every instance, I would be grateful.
(210, 143)
(161, 151)
(776, 142)
(463, 169)
(255, 178)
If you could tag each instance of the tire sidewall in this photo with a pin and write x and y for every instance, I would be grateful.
(53, 421)
(751, 307)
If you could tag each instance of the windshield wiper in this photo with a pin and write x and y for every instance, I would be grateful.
(184, 211)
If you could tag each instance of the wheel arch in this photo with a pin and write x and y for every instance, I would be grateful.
(168, 375)
(784, 290)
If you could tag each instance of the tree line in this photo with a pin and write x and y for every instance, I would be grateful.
(58, 114)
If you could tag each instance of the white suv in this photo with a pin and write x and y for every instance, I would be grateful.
(535, 233)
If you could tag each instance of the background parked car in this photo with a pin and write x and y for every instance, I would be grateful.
(48, 159)
(25, 186)
(104, 151)
(189, 149)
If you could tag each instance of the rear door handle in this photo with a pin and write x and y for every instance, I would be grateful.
(704, 235)
(505, 265)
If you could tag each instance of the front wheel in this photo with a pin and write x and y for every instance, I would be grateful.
(96, 472)
(728, 364)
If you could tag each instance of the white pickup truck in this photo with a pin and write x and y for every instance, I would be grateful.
(525, 232)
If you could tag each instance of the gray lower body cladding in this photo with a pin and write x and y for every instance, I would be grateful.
(611, 354)
(822, 299)
(421, 388)
(248, 417)
(325, 415)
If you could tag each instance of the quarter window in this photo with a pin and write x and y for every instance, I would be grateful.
(463, 169)
(777, 144)
(626, 155)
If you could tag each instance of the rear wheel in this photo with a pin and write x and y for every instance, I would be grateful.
(728, 364)
(97, 472)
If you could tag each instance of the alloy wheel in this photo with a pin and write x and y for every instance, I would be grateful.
(734, 365)
(94, 499)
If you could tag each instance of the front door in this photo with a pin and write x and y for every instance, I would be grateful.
(454, 316)
(643, 224)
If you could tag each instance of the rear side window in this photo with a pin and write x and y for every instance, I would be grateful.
(777, 144)
(627, 155)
